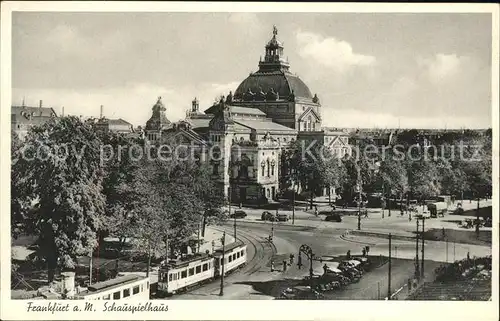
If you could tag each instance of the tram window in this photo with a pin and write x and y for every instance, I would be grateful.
(142, 288)
(106, 297)
(126, 293)
(205, 267)
(191, 271)
(242, 252)
(238, 255)
(230, 258)
(198, 269)
(147, 285)
(170, 278)
(116, 295)
(234, 256)
(135, 290)
(184, 274)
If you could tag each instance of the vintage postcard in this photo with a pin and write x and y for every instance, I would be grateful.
(253, 161)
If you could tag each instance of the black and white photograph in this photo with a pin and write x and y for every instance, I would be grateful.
(220, 153)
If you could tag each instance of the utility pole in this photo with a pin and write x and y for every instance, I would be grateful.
(221, 293)
(198, 243)
(389, 276)
(90, 264)
(293, 205)
(359, 197)
(417, 273)
(423, 226)
(446, 249)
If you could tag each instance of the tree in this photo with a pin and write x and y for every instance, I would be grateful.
(62, 172)
(423, 179)
(394, 177)
(119, 169)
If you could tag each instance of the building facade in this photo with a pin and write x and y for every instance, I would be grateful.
(243, 135)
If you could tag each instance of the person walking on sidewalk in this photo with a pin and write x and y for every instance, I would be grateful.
(291, 259)
(284, 265)
(272, 266)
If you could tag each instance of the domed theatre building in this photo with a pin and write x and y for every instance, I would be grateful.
(242, 136)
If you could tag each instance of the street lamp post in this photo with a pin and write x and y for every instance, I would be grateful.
(221, 293)
(422, 261)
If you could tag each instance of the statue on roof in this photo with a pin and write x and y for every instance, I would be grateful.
(229, 98)
(275, 30)
(315, 99)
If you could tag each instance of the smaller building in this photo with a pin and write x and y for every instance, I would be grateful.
(114, 125)
(24, 117)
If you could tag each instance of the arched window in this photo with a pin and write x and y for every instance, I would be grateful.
(263, 165)
(273, 163)
(268, 168)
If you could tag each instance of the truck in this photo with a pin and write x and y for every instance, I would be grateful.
(437, 208)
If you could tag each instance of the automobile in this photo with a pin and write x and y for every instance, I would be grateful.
(268, 216)
(238, 214)
(365, 263)
(300, 292)
(282, 217)
(334, 217)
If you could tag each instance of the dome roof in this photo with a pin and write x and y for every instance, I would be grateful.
(282, 82)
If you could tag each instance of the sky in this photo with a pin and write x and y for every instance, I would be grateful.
(424, 70)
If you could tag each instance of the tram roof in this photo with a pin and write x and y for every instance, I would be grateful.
(229, 248)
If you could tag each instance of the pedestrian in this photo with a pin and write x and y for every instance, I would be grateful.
(272, 266)
(299, 261)
(348, 254)
(284, 265)
(443, 232)
(316, 211)
(468, 256)
(325, 268)
(409, 217)
(291, 258)
(364, 251)
(366, 213)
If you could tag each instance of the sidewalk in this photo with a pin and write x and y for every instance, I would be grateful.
(214, 235)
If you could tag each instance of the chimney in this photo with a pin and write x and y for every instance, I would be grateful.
(40, 103)
(101, 111)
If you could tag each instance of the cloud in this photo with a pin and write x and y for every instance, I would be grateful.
(245, 18)
(330, 52)
(442, 66)
(354, 118)
(132, 102)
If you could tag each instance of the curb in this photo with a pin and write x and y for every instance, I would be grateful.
(383, 235)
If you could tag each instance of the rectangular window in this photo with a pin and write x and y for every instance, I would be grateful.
(106, 297)
(238, 255)
(135, 290)
(221, 262)
(116, 295)
(205, 267)
(126, 293)
(191, 271)
(198, 269)
(230, 258)
(184, 274)
(170, 277)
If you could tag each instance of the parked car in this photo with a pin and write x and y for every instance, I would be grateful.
(282, 217)
(268, 216)
(334, 217)
(238, 214)
(300, 293)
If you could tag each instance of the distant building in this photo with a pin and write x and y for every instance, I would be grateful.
(248, 131)
(114, 125)
(24, 117)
